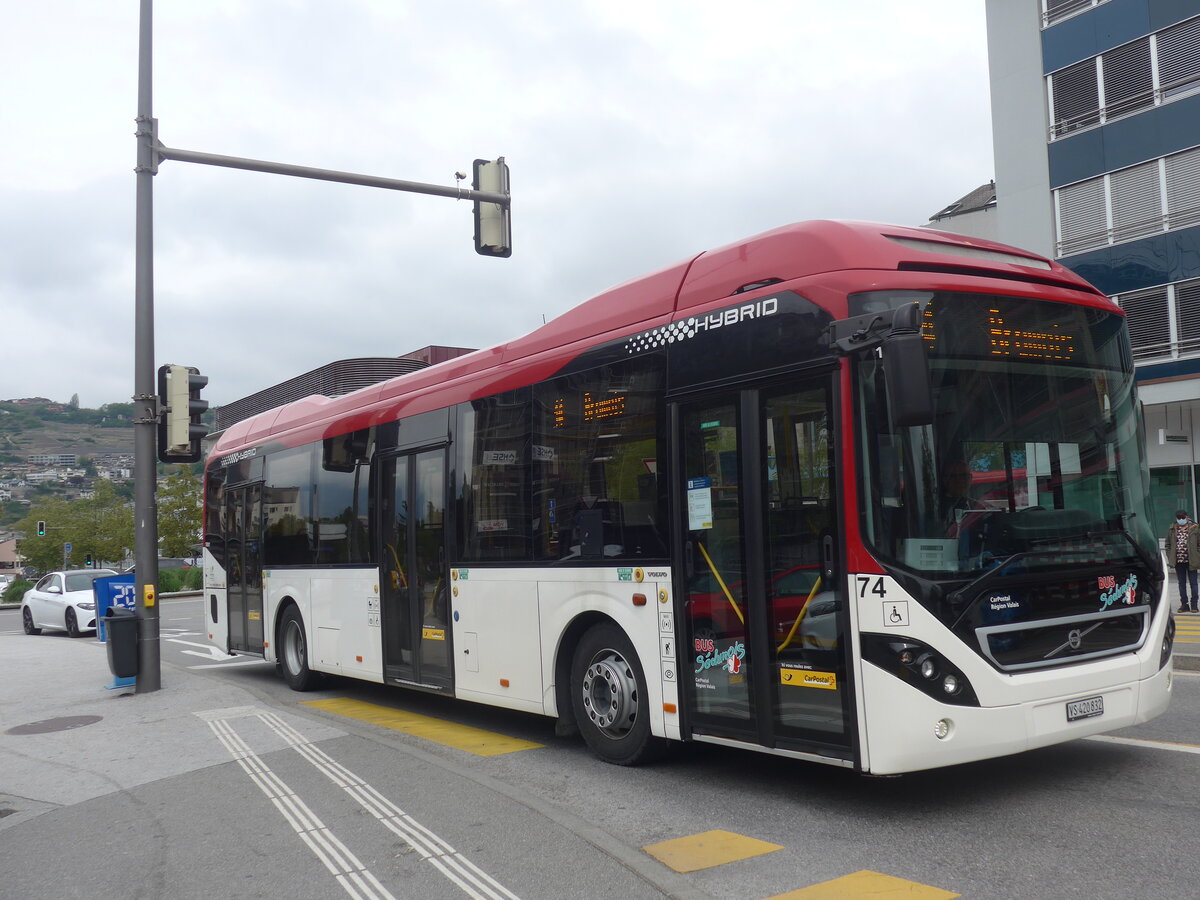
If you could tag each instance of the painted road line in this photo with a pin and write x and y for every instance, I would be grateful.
(453, 865)
(352, 875)
(337, 857)
(233, 661)
(1150, 745)
(866, 883)
(707, 849)
(438, 731)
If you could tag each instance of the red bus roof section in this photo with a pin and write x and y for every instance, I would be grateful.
(784, 254)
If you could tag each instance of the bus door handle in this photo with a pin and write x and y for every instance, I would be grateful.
(689, 560)
(827, 557)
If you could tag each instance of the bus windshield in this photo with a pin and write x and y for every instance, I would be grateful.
(1035, 451)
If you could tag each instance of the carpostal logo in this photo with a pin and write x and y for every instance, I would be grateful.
(684, 330)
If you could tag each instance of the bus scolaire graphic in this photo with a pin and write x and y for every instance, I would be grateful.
(865, 495)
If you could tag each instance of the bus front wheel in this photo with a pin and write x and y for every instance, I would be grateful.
(293, 652)
(608, 691)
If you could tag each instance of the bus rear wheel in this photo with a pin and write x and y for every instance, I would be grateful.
(293, 652)
(608, 691)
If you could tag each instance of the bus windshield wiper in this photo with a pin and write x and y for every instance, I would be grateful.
(1143, 555)
(993, 573)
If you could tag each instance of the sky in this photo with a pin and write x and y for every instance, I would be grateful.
(637, 132)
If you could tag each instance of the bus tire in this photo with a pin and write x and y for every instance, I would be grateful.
(609, 696)
(293, 652)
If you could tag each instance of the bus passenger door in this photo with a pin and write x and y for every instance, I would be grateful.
(765, 656)
(243, 535)
(415, 603)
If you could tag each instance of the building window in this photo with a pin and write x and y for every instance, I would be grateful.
(1075, 97)
(1148, 315)
(1164, 322)
(1054, 11)
(1187, 315)
(1136, 76)
(1129, 203)
(1179, 59)
(1082, 211)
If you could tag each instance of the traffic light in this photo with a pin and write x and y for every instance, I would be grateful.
(87, 560)
(179, 428)
(493, 228)
(41, 528)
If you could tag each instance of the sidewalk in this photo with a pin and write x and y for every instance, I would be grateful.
(108, 793)
(64, 739)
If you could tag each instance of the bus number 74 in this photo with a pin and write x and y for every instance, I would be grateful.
(878, 589)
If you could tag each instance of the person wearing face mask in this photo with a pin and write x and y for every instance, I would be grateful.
(1183, 548)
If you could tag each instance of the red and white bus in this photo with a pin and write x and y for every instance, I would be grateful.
(717, 503)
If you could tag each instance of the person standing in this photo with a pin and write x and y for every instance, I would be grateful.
(1183, 547)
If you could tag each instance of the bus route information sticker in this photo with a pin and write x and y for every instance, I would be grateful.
(699, 501)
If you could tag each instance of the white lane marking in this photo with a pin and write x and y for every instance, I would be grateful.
(345, 867)
(476, 883)
(457, 868)
(233, 661)
(205, 647)
(1139, 742)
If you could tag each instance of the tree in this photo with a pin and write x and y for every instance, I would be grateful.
(102, 525)
(179, 511)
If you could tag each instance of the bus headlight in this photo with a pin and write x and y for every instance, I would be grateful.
(1164, 656)
(920, 666)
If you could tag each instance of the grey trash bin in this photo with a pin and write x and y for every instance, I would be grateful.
(122, 627)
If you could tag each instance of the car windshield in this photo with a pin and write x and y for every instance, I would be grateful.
(1035, 449)
(82, 581)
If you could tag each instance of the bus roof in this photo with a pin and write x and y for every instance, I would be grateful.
(784, 254)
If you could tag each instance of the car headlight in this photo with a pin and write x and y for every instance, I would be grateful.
(86, 605)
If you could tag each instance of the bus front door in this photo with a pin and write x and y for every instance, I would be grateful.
(243, 536)
(765, 652)
(415, 604)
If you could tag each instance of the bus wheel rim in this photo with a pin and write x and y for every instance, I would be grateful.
(610, 694)
(294, 648)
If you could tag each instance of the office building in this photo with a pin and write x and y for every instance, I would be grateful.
(1096, 132)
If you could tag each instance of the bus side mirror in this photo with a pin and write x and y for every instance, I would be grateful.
(906, 370)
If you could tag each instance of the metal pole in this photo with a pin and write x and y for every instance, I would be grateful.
(277, 168)
(145, 398)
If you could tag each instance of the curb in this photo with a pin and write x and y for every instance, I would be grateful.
(1187, 662)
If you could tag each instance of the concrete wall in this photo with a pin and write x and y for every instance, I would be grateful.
(1019, 127)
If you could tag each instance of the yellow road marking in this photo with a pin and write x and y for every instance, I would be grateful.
(707, 849)
(866, 883)
(461, 737)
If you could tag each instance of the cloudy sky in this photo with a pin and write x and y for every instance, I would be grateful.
(638, 133)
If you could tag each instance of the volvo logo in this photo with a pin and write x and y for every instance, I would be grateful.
(1074, 640)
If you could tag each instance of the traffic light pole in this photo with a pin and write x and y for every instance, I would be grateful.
(145, 399)
(491, 240)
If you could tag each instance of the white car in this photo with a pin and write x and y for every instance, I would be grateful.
(62, 600)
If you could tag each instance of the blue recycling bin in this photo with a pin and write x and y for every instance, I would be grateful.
(112, 590)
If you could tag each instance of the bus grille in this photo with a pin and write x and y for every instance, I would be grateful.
(1044, 643)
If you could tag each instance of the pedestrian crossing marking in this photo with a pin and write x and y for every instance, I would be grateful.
(707, 849)
(866, 883)
(439, 731)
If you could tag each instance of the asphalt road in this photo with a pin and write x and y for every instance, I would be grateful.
(223, 784)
